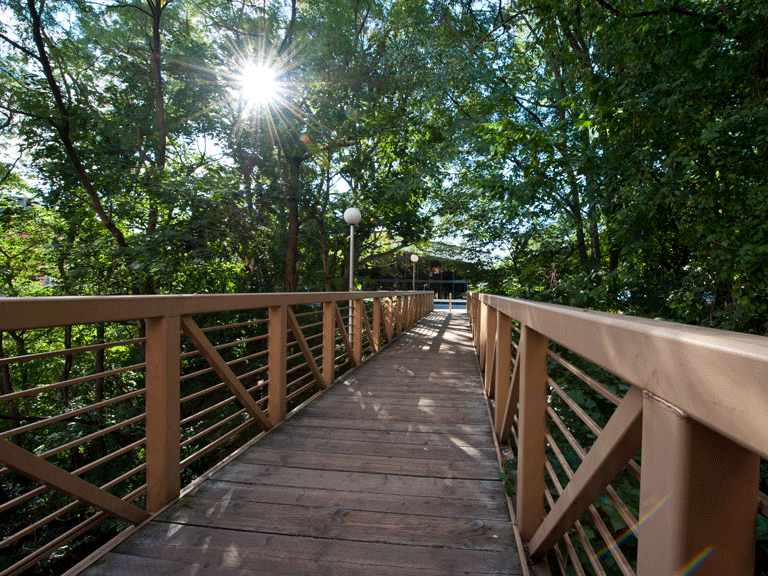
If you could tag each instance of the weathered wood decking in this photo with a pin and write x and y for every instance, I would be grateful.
(391, 472)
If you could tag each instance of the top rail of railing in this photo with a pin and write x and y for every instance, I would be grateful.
(631, 426)
(717, 377)
(43, 312)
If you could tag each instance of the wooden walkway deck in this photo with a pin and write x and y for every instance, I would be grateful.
(391, 472)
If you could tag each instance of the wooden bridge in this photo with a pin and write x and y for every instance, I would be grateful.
(391, 471)
(212, 427)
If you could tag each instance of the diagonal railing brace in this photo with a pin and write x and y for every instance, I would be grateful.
(201, 342)
(31, 466)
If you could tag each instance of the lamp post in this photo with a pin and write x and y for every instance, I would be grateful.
(414, 259)
(352, 217)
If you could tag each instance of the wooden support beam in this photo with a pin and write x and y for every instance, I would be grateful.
(482, 330)
(376, 341)
(507, 416)
(31, 466)
(293, 323)
(388, 327)
(398, 315)
(489, 380)
(501, 382)
(329, 344)
(357, 331)
(201, 342)
(366, 325)
(618, 442)
(698, 497)
(163, 341)
(406, 313)
(278, 353)
(531, 455)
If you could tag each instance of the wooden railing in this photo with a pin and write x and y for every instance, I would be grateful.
(580, 395)
(110, 405)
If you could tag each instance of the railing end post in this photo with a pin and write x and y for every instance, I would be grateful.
(163, 339)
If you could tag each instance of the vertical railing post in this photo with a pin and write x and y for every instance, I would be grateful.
(357, 331)
(376, 328)
(490, 352)
(398, 315)
(698, 497)
(388, 319)
(532, 431)
(482, 328)
(278, 327)
(406, 312)
(329, 343)
(503, 374)
(163, 450)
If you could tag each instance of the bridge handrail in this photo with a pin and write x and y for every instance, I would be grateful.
(252, 371)
(696, 404)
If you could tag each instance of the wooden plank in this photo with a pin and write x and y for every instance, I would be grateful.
(395, 427)
(303, 431)
(404, 413)
(345, 524)
(31, 466)
(201, 342)
(278, 554)
(427, 467)
(190, 563)
(453, 450)
(356, 481)
(412, 400)
(216, 494)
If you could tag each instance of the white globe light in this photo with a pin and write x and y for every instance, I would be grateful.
(352, 216)
(414, 258)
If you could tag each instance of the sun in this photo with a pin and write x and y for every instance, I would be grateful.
(258, 84)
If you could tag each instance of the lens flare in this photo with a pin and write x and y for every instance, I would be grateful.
(631, 529)
(695, 562)
(258, 84)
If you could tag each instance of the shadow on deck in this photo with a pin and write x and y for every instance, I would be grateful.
(392, 471)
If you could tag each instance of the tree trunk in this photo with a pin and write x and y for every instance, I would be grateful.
(7, 388)
(292, 249)
(67, 370)
(324, 251)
